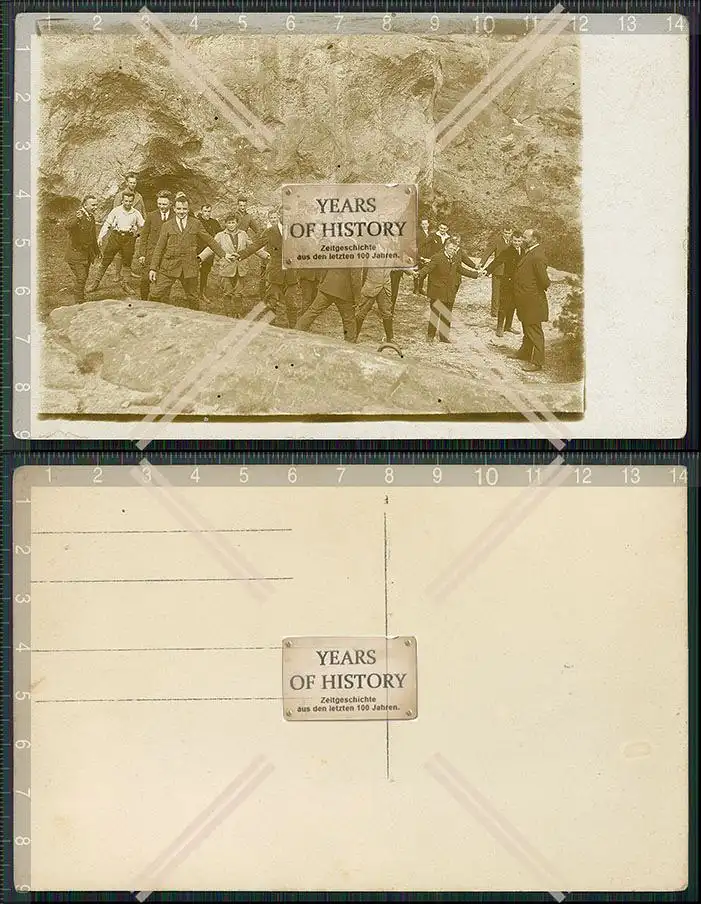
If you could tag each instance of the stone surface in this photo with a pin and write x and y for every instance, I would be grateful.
(129, 357)
(351, 108)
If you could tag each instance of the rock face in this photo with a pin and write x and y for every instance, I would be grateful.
(134, 357)
(350, 108)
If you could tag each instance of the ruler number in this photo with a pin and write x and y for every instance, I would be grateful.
(581, 24)
(290, 23)
(435, 23)
(484, 26)
(437, 475)
(679, 476)
(339, 18)
(27, 793)
(194, 23)
(243, 475)
(97, 23)
(676, 23)
(22, 387)
(243, 24)
(195, 474)
(97, 475)
(21, 599)
(631, 475)
(389, 475)
(487, 477)
(582, 476)
(292, 475)
(341, 471)
(24, 97)
(628, 23)
(387, 22)
(22, 550)
(22, 744)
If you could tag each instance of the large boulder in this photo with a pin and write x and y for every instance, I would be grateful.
(121, 357)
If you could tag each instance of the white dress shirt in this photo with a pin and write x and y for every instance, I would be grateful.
(122, 220)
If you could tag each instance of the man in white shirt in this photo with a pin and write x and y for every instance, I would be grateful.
(119, 236)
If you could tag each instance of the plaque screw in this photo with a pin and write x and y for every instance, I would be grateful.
(407, 190)
(409, 712)
(288, 643)
(288, 191)
(407, 643)
(288, 260)
(288, 713)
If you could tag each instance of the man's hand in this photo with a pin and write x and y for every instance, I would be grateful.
(231, 256)
(265, 255)
(142, 260)
(152, 276)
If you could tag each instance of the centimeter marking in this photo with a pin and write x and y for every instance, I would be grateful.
(478, 474)
(28, 25)
(22, 682)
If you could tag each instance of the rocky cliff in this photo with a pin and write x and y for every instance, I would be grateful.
(352, 108)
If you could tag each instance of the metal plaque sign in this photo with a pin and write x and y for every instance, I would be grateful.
(349, 678)
(329, 225)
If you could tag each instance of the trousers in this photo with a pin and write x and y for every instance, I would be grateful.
(344, 307)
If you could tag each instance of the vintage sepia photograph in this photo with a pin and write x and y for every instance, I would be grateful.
(163, 285)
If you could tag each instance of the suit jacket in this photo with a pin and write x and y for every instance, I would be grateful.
(530, 280)
(175, 253)
(428, 245)
(342, 282)
(271, 240)
(506, 261)
(248, 224)
(82, 237)
(150, 233)
(444, 275)
(211, 225)
(231, 244)
(495, 246)
(138, 201)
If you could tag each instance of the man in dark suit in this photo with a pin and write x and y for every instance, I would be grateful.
(507, 260)
(82, 246)
(444, 271)
(150, 234)
(245, 219)
(498, 242)
(175, 254)
(340, 287)
(429, 244)
(282, 285)
(530, 283)
(213, 227)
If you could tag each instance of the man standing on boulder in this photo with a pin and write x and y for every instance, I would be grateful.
(120, 228)
(175, 254)
(82, 244)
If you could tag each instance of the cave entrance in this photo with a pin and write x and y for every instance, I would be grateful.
(174, 179)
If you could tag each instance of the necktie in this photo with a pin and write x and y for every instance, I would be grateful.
(181, 224)
(163, 217)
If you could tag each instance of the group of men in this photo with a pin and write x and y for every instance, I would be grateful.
(171, 244)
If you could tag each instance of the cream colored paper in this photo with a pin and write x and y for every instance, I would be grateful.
(550, 748)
